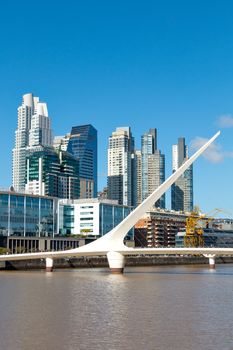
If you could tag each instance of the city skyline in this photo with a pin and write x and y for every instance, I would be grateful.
(213, 153)
(156, 75)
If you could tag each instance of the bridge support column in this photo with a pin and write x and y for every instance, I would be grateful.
(49, 264)
(116, 262)
(211, 258)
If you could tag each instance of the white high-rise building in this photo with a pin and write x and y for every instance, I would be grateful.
(33, 129)
(120, 149)
(61, 142)
(40, 133)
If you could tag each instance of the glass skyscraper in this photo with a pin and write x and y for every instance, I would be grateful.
(83, 145)
(53, 173)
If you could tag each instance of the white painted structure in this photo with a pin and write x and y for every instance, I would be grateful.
(33, 129)
(92, 216)
(25, 112)
(112, 244)
(61, 142)
(119, 165)
(40, 133)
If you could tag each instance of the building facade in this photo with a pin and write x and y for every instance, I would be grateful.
(83, 145)
(120, 151)
(52, 173)
(60, 143)
(33, 128)
(182, 189)
(27, 215)
(158, 228)
(150, 168)
(31, 223)
(91, 217)
(40, 133)
(148, 147)
(137, 177)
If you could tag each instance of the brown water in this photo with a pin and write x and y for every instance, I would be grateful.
(150, 308)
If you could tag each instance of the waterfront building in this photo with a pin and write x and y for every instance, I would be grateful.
(31, 223)
(182, 189)
(32, 244)
(83, 145)
(33, 128)
(120, 155)
(158, 228)
(27, 215)
(213, 236)
(223, 224)
(91, 217)
(52, 173)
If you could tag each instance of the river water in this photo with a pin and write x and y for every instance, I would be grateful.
(149, 308)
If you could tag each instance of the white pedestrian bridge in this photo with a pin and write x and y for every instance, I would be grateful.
(112, 243)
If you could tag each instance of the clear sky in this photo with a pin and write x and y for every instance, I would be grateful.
(144, 64)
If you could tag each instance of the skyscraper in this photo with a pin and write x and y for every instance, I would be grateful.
(52, 173)
(182, 190)
(120, 151)
(83, 145)
(138, 176)
(156, 175)
(148, 147)
(152, 167)
(33, 129)
(61, 142)
(40, 133)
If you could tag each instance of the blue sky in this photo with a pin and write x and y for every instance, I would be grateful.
(163, 64)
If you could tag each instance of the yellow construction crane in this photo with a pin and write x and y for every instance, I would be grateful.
(194, 232)
(194, 226)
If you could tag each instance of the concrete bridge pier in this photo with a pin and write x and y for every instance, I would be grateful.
(116, 262)
(211, 258)
(49, 264)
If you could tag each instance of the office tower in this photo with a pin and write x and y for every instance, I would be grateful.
(120, 151)
(182, 190)
(25, 112)
(138, 176)
(83, 145)
(52, 173)
(156, 175)
(152, 167)
(61, 142)
(40, 133)
(148, 147)
(33, 129)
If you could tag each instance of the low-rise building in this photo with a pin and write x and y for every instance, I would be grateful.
(91, 217)
(158, 228)
(27, 215)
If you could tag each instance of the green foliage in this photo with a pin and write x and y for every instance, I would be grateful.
(3, 250)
